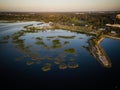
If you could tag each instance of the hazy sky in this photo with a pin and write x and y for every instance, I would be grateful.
(59, 5)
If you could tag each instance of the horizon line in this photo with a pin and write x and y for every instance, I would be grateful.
(64, 11)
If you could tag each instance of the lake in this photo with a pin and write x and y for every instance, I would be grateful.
(56, 59)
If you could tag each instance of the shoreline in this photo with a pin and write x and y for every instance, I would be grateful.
(49, 26)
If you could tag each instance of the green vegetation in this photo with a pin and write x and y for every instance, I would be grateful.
(46, 67)
(56, 42)
(30, 63)
(17, 35)
(70, 19)
(40, 43)
(70, 50)
(66, 42)
(4, 39)
(73, 65)
(56, 46)
(20, 44)
(62, 66)
(66, 37)
(88, 23)
(38, 38)
(58, 61)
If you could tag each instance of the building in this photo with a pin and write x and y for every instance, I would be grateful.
(118, 16)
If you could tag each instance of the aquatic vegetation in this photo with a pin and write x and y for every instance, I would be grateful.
(43, 45)
(66, 42)
(38, 38)
(20, 43)
(34, 56)
(50, 36)
(70, 50)
(26, 26)
(28, 46)
(58, 61)
(56, 46)
(62, 66)
(59, 58)
(40, 43)
(6, 37)
(29, 62)
(17, 35)
(66, 37)
(73, 65)
(46, 67)
(56, 42)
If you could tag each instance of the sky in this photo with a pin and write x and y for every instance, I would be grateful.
(59, 5)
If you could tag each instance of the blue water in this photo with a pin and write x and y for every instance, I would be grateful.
(89, 75)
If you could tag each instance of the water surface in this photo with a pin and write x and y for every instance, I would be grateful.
(57, 58)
